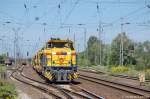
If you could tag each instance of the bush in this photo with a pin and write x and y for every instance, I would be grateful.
(83, 63)
(2, 68)
(147, 74)
(119, 69)
(139, 67)
(133, 73)
(7, 90)
(2, 58)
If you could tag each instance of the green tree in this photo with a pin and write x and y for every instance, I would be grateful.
(94, 48)
(128, 49)
(106, 54)
(2, 58)
(142, 55)
(82, 61)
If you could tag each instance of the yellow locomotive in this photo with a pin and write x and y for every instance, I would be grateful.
(57, 61)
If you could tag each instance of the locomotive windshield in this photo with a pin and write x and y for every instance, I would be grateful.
(60, 45)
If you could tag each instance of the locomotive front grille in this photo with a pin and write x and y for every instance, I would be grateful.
(62, 73)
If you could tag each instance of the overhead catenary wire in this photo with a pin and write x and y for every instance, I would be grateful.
(129, 15)
(68, 15)
(27, 26)
(36, 19)
(11, 18)
(115, 2)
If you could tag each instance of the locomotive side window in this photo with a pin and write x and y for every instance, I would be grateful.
(71, 46)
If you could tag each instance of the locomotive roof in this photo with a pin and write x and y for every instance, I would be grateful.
(57, 41)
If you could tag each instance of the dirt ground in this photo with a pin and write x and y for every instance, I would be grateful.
(101, 90)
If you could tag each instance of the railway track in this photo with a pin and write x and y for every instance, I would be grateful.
(16, 75)
(47, 88)
(84, 94)
(120, 76)
(87, 92)
(127, 88)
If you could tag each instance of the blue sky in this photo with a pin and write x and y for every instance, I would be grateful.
(28, 17)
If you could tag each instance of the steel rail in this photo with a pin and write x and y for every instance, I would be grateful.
(45, 90)
(118, 75)
(66, 92)
(93, 95)
(123, 87)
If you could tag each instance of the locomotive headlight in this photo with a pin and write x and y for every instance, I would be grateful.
(53, 53)
(68, 53)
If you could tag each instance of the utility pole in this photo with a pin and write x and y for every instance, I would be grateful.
(44, 30)
(74, 38)
(78, 48)
(1, 43)
(27, 54)
(99, 33)
(86, 50)
(69, 26)
(59, 13)
(100, 46)
(3, 50)
(122, 42)
(5, 41)
(85, 45)
(15, 50)
(120, 59)
(16, 53)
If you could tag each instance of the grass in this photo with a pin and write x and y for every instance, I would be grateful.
(7, 89)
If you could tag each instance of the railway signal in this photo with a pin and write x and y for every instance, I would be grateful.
(27, 53)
